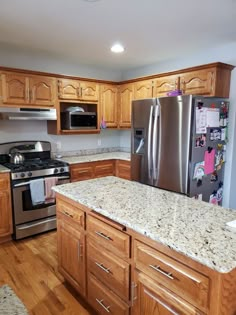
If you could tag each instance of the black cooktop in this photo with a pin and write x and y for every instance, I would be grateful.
(35, 164)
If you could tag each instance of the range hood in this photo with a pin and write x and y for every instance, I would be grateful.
(26, 113)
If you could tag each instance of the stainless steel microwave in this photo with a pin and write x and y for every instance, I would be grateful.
(78, 120)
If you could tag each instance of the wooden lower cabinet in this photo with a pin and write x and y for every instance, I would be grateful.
(123, 169)
(89, 170)
(5, 207)
(150, 298)
(71, 254)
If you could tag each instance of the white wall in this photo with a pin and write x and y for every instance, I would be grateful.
(37, 130)
(226, 54)
(15, 58)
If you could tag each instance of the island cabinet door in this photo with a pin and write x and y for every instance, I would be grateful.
(71, 255)
(149, 297)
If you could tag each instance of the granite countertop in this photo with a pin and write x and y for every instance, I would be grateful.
(4, 169)
(194, 228)
(96, 157)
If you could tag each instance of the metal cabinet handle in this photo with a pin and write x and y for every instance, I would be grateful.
(100, 302)
(80, 249)
(103, 236)
(107, 270)
(68, 214)
(133, 297)
(158, 269)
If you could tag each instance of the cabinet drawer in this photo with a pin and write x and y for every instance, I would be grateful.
(103, 300)
(70, 212)
(187, 283)
(81, 172)
(109, 237)
(109, 269)
(105, 168)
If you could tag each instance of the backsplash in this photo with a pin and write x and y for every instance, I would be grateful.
(91, 151)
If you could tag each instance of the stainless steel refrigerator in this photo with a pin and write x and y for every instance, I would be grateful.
(178, 144)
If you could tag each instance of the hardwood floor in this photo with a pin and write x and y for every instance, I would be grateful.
(30, 267)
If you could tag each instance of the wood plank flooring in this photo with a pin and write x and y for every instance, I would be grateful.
(30, 268)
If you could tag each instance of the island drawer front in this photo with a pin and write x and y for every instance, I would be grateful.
(71, 212)
(109, 237)
(185, 282)
(103, 300)
(109, 269)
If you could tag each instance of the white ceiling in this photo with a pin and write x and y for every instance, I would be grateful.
(152, 31)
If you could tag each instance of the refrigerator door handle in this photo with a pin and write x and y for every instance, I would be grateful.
(155, 141)
(149, 144)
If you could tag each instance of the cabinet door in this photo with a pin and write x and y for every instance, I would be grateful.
(108, 103)
(143, 89)
(71, 254)
(5, 206)
(125, 101)
(42, 91)
(89, 91)
(81, 171)
(68, 89)
(164, 85)
(201, 82)
(123, 169)
(154, 299)
(104, 168)
(15, 88)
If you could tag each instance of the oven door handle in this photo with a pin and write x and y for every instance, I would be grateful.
(27, 183)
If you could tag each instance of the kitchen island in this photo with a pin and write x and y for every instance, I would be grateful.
(178, 252)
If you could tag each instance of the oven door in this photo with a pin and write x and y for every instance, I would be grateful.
(31, 219)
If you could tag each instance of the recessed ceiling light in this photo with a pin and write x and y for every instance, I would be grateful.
(117, 48)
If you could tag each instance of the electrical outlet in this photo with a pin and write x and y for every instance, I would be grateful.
(99, 142)
(58, 145)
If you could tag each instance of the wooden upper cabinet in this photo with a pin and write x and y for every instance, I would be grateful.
(163, 85)
(15, 88)
(108, 104)
(68, 89)
(209, 82)
(42, 90)
(89, 91)
(5, 206)
(77, 90)
(28, 90)
(143, 89)
(200, 82)
(125, 97)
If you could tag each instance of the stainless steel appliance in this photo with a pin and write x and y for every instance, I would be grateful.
(172, 143)
(26, 113)
(30, 218)
(78, 120)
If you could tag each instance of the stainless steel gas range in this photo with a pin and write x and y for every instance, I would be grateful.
(33, 172)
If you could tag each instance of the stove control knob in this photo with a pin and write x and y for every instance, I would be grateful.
(55, 171)
(22, 175)
(29, 174)
(62, 169)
